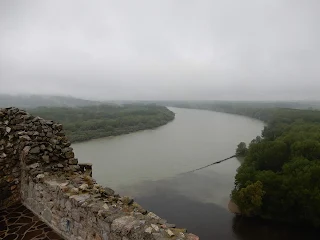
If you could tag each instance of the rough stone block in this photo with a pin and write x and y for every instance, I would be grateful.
(47, 215)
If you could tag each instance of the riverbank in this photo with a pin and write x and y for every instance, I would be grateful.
(286, 155)
(93, 122)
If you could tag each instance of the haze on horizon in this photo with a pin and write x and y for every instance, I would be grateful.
(161, 50)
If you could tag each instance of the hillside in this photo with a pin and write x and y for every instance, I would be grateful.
(33, 101)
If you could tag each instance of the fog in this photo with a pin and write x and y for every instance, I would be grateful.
(168, 49)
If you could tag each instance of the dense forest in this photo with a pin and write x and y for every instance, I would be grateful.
(280, 176)
(84, 123)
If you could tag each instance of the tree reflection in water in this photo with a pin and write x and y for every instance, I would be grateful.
(254, 228)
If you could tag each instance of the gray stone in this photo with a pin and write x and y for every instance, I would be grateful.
(66, 225)
(84, 187)
(25, 138)
(74, 168)
(75, 215)
(34, 165)
(82, 233)
(74, 190)
(159, 236)
(169, 232)
(81, 198)
(181, 235)
(105, 236)
(34, 172)
(60, 165)
(123, 225)
(62, 203)
(68, 205)
(108, 191)
(155, 227)
(35, 150)
(148, 230)
(69, 155)
(40, 176)
(8, 129)
(45, 158)
(153, 216)
(67, 149)
(49, 122)
(47, 215)
(105, 206)
(73, 161)
(127, 200)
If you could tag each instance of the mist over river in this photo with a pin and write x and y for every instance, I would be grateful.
(150, 166)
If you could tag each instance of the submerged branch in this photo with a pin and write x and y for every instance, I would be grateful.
(210, 164)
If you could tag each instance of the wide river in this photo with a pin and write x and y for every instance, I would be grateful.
(150, 166)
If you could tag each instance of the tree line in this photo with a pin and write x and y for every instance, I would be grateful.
(280, 176)
(89, 122)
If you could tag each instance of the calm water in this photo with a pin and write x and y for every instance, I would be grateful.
(150, 166)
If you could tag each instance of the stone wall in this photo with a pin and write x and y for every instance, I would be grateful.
(46, 145)
(37, 167)
(9, 164)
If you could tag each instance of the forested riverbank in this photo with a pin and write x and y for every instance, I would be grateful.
(280, 176)
(90, 122)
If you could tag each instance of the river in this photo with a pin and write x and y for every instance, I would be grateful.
(150, 166)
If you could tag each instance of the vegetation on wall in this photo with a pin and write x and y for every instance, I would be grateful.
(84, 123)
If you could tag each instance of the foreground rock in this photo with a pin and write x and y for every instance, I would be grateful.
(38, 167)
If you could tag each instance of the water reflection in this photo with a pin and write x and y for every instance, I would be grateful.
(208, 220)
(252, 229)
(192, 201)
(198, 200)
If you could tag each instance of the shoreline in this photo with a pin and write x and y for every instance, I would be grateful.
(123, 134)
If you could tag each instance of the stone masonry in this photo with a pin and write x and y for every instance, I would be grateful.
(38, 168)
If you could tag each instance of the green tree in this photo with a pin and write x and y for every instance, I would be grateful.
(241, 150)
(249, 198)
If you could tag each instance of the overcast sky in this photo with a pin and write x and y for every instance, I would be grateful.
(161, 49)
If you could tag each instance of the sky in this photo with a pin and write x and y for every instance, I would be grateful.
(161, 50)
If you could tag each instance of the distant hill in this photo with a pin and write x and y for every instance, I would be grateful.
(33, 101)
(315, 105)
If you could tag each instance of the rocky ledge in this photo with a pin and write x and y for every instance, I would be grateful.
(74, 204)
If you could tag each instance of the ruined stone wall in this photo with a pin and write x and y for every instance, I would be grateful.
(37, 167)
(9, 164)
(43, 141)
